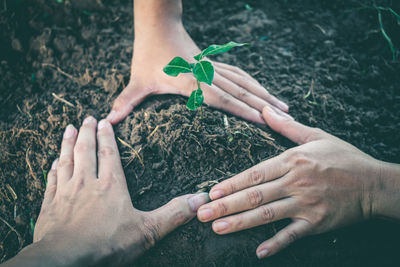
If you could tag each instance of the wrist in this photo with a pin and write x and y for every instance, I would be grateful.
(386, 200)
(156, 16)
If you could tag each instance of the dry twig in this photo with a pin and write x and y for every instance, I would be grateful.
(134, 150)
(61, 71)
(59, 98)
(29, 164)
(20, 241)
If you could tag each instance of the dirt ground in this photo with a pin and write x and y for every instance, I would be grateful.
(60, 62)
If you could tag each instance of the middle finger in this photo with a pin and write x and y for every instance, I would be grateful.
(85, 150)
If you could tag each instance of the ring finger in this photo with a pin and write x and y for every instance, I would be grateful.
(264, 214)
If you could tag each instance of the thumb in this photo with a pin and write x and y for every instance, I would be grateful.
(290, 128)
(177, 212)
(130, 97)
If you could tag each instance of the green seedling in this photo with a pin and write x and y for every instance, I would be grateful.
(45, 176)
(379, 9)
(202, 70)
(32, 224)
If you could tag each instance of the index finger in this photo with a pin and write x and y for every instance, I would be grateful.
(265, 171)
(295, 131)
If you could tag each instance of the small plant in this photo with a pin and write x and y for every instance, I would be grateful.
(389, 10)
(202, 70)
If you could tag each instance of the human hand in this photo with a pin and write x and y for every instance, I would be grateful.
(87, 215)
(233, 90)
(323, 184)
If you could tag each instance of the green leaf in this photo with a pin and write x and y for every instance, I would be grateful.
(216, 49)
(176, 66)
(203, 71)
(32, 224)
(195, 100)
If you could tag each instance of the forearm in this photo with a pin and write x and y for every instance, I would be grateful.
(52, 253)
(387, 192)
(156, 15)
(37, 255)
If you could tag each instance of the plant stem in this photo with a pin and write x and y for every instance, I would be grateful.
(386, 36)
(201, 107)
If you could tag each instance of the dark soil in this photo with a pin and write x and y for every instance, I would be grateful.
(80, 51)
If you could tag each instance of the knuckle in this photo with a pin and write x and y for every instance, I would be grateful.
(232, 186)
(320, 215)
(238, 224)
(65, 163)
(82, 148)
(303, 182)
(299, 157)
(243, 94)
(255, 197)
(222, 208)
(297, 154)
(267, 214)
(291, 236)
(226, 99)
(309, 201)
(150, 233)
(106, 151)
(255, 177)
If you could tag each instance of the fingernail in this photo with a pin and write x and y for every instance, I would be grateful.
(283, 106)
(262, 253)
(197, 200)
(205, 214)
(69, 131)
(54, 165)
(216, 194)
(111, 116)
(102, 124)
(220, 226)
(89, 119)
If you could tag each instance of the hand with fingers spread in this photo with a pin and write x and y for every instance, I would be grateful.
(323, 184)
(159, 37)
(87, 217)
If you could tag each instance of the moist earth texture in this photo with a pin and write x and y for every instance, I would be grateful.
(60, 62)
